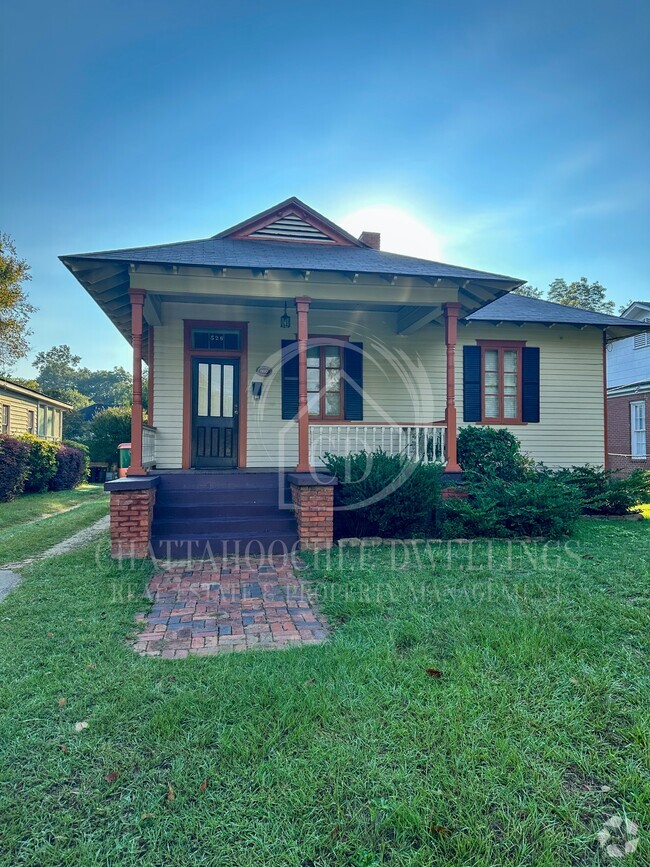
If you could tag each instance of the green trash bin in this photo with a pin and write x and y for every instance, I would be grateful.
(124, 453)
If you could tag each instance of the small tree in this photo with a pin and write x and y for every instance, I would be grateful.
(529, 291)
(108, 429)
(15, 309)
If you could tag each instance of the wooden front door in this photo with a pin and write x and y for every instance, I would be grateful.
(215, 412)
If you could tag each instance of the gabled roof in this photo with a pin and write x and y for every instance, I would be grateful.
(291, 220)
(643, 306)
(521, 309)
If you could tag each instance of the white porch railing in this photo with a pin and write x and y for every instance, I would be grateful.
(148, 445)
(425, 442)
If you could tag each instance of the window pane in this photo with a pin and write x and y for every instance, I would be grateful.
(510, 407)
(491, 359)
(333, 379)
(228, 390)
(491, 406)
(510, 360)
(204, 338)
(215, 390)
(313, 378)
(491, 381)
(333, 403)
(313, 356)
(510, 380)
(332, 356)
(50, 422)
(313, 402)
(203, 389)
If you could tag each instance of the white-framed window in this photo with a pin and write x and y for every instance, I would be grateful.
(6, 418)
(638, 429)
(31, 422)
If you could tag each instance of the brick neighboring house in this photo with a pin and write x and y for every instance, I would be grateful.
(628, 396)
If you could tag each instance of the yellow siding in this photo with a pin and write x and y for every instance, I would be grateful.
(19, 408)
(404, 380)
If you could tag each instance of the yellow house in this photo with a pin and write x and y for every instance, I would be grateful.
(23, 410)
(283, 339)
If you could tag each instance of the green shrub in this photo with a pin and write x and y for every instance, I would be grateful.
(42, 462)
(604, 492)
(14, 465)
(70, 469)
(494, 452)
(108, 429)
(537, 506)
(83, 448)
(384, 495)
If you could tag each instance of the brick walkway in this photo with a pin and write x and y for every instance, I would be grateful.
(224, 608)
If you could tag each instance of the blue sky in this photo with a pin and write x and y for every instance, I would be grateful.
(506, 136)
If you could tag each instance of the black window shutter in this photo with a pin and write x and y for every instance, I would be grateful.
(472, 383)
(353, 382)
(530, 384)
(289, 379)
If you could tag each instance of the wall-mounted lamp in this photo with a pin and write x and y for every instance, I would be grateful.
(256, 388)
(285, 319)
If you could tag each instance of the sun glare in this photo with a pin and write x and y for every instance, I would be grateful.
(400, 231)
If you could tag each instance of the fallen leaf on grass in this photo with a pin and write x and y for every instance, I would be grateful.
(146, 816)
(91, 666)
(433, 672)
(80, 726)
(171, 794)
(111, 776)
(335, 832)
(50, 635)
(440, 830)
(63, 702)
(309, 682)
(64, 749)
(204, 785)
(587, 556)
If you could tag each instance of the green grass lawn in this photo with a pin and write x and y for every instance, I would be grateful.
(347, 753)
(33, 523)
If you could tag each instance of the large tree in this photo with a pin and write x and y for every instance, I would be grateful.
(529, 291)
(15, 309)
(58, 370)
(581, 293)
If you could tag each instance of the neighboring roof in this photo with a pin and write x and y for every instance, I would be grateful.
(14, 388)
(640, 387)
(643, 305)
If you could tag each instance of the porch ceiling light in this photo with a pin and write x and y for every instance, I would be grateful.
(285, 319)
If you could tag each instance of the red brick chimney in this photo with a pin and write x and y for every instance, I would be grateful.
(372, 239)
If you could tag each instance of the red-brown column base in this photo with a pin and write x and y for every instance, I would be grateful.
(131, 515)
(314, 508)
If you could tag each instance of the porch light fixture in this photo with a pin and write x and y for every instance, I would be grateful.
(285, 319)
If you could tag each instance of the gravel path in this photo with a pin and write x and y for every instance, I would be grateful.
(10, 578)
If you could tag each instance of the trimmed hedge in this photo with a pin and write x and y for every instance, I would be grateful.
(14, 466)
(85, 451)
(384, 495)
(70, 469)
(42, 463)
(494, 452)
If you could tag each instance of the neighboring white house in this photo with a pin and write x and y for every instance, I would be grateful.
(628, 393)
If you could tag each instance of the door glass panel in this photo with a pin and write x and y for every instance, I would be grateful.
(215, 390)
(313, 402)
(203, 389)
(313, 356)
(228, 390)
(205, 338)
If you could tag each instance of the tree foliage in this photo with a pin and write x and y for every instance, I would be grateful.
(529, 291)
(108, 429)
(15, 309)
(581, 293)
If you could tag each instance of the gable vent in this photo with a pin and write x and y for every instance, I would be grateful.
(291, 228)
(641, 340)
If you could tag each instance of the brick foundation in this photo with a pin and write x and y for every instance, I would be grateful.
(314, 508)
(453, 493)
(131, 515)
(619, 434)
